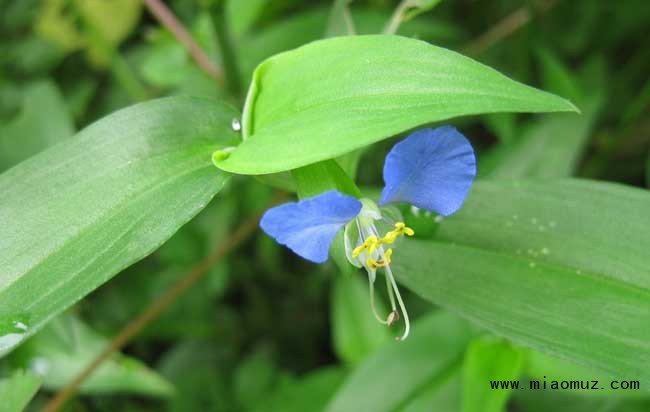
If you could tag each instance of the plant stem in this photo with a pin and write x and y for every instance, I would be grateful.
(505, 27)
(167, 18)
(397, 17)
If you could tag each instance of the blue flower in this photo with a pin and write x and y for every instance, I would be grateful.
(431, 169)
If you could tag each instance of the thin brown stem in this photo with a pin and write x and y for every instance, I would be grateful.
(505, 27)
(167, 18)
(156, 307)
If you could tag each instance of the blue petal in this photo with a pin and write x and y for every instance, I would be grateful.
(309, 226)
(432, 169)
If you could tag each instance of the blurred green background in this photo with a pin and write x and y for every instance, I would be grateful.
(264, 330)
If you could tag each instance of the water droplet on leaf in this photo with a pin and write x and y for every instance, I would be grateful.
(236, 125)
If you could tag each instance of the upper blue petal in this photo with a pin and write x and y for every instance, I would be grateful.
(432, 169)
(309, 226)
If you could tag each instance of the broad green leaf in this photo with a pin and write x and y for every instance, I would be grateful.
(60, 351)
(41, 122)
(333, 96)
(17, 390)
(559, 266)
(549, 148)
(489, 359)
(78, 213)
(391, 377)
(355, 331)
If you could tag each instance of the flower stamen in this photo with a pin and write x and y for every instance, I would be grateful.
(369, 245)
(400, 230)
(383, 262)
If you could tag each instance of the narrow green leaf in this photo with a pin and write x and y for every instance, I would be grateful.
(355, 331)
(17, 390)
(444, 393)
(61, 350)
(556, 77)
(242, 14)
(489, 359)
(309, 393)
(80, 212)
(561, 267)
(330, 97)
(390, 378)
(41, 122)
(550, 148)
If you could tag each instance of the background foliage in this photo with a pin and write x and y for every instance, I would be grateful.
(544, 272)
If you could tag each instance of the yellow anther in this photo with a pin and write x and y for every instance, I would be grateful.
(400, 229)
(369, 246)
(375, 264)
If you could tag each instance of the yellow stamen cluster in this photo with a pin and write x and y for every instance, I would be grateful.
(400, 230)
(369, 246)
(372, 243)
(374, 264)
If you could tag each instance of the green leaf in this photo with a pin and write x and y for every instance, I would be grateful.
(61, 350)
(17, 390)
(330, 97)
(255, 378)
(561, 267)
(242, 14)
(444, 393)
(309, 393)
(199, 371)
(42, 121)
(395, 374)
(556, 77)
(489, 359)
(355, 331)
(78, 213)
